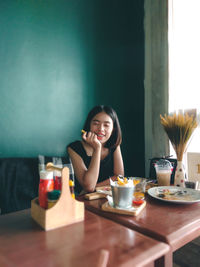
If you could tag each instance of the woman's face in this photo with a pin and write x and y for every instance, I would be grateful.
(102, 126)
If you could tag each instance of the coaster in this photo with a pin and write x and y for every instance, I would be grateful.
(134, 211)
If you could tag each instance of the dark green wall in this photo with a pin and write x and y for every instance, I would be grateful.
(60, 58)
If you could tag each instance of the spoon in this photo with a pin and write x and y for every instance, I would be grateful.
(51, 167)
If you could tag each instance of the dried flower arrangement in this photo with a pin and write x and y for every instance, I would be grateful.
(179, 128)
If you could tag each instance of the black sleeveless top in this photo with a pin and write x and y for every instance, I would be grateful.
(106, 165)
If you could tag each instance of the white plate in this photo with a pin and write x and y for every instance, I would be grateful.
(104, 190)
(175, 194)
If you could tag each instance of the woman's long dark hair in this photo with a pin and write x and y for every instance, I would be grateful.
(116, 136)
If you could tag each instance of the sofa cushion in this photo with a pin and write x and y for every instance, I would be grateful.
(19, 182)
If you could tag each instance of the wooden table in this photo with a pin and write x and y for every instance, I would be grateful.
(24, 243)
(174, 224)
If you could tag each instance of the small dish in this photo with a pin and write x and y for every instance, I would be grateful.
(104, 190)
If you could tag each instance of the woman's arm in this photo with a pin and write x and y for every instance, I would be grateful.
(118, 167)
(86, 177)
(118, 162)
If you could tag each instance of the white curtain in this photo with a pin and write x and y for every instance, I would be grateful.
(184, 54)
(184, 60)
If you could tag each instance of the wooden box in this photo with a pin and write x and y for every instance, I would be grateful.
(66, 210)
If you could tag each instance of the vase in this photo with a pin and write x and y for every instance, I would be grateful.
(179, 178)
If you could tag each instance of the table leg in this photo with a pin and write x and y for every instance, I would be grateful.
(165, 261)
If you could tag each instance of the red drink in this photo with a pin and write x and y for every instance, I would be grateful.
(46, 185)
(57, 183)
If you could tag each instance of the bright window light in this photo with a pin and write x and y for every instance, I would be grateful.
(184, 61)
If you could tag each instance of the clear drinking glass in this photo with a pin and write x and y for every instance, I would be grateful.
(140, 188)
(163, 172)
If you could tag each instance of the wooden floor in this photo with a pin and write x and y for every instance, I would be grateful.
(189, 255)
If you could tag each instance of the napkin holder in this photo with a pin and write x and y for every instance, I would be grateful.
(66, 211)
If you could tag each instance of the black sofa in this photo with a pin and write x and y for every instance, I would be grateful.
(19, 181)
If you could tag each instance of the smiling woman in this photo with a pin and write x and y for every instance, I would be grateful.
(98, 155)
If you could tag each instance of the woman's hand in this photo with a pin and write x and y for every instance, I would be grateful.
(91, 139)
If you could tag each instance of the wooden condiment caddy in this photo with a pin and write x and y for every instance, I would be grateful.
(66, 210)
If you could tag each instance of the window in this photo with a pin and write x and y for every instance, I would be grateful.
(184, 61)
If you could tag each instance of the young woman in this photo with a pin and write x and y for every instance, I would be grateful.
(98, 155)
